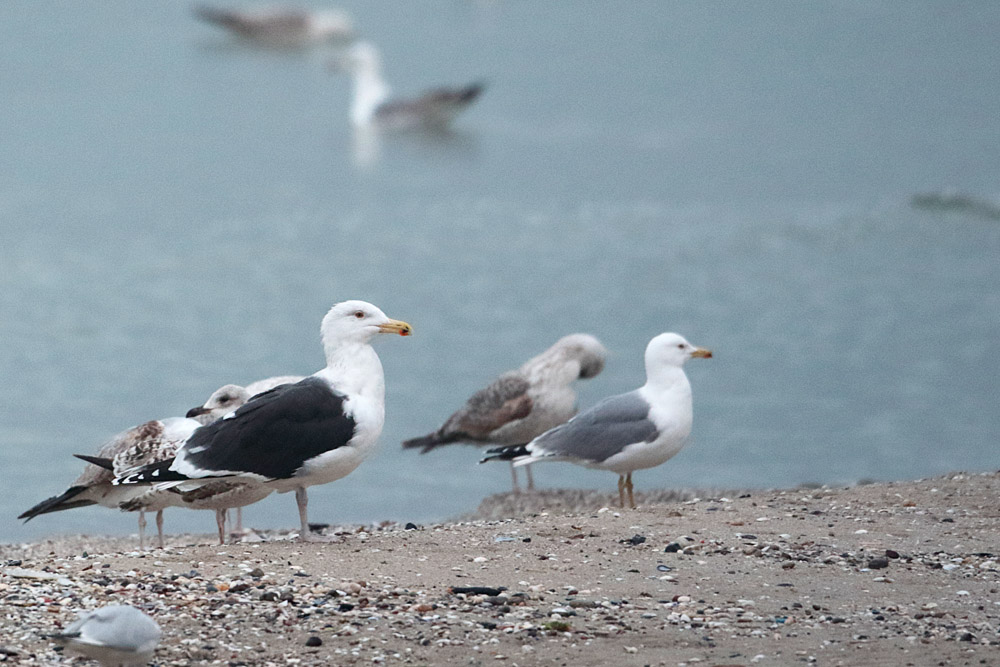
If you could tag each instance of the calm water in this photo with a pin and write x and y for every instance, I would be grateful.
(180, 210)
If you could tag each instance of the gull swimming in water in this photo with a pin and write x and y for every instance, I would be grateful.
(628, 432)
(280, 26)
(296, 435)
(373, 107)
(114, 635)
(522, 404)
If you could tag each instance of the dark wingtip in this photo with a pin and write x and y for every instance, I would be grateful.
(508, 453)
(425, 442)
(107, 464)
(63, 501)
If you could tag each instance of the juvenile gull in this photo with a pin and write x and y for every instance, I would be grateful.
(632, 431)
(230, 494)
(280, 26)
(112, 635)
(522, 404)
(140, 444)
(372, 107)
(296, 435)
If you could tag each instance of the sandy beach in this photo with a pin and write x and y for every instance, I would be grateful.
(902, 573)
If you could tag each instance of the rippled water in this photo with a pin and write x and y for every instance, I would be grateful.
(179, 211)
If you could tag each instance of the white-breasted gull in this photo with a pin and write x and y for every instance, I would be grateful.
(281, 26)
(522, 404)
(145, 443)
(113, 635)
(296, 435)
(373, 107)
(628, 432)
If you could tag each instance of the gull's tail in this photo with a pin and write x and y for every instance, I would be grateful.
(67, 500)
(509, 453)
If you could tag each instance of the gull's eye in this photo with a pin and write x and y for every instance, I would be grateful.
(359, 314)
(680, 346)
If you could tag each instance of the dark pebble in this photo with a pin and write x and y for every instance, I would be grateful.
(673, 547)
(210, 588)
(269, 596)
(314, 641)
(477, 590)
(256, 573)
(889, 553)
(13, 563)
(344, 606)
(966, 637)
(527, 539)
(947, 519)
(410, 526)
(878, 563)
(634, 540)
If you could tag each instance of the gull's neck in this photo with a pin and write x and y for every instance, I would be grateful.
(354, 369)
(370, 90)
(667, 380)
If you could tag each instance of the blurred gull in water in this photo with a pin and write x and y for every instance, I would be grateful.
(524, 403)
(112, 635)
(372, 106)
(280, 26)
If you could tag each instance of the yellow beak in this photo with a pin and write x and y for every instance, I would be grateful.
(396, 326)
(702, 353)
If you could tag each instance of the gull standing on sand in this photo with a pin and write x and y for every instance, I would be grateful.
(296, 435)
(372, 107)
(281, 26)
(140, 444)
(229, 494)
(628, 432)
(113, 635)
(522, 404)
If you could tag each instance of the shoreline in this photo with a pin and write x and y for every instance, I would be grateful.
(883, 573)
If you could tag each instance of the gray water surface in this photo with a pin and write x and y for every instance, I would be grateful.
(179, 210)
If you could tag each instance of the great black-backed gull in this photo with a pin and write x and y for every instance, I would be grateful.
(522, 404)
(113, 635)
(281, 26)
(632, 431)
(296, 435)
(372, 107)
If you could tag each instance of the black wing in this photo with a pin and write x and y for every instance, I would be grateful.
(274, 433)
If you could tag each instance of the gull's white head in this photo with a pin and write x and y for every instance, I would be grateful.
(358, 322)
(223, 400)
(671, 350)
